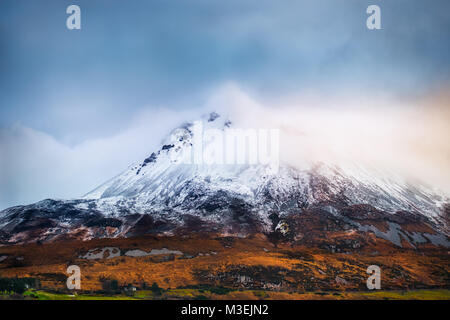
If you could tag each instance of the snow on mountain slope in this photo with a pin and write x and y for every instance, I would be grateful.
(164, 193)
(162, 181)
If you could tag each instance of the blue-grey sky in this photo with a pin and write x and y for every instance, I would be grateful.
(133, 57)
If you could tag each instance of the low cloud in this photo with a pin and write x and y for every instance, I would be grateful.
(408, 138)
(405, 137)
(35, 166)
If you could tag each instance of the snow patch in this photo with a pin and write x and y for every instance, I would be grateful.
(140, 253)
(104, 253)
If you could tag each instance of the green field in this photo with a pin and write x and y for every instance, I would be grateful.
(193, 293)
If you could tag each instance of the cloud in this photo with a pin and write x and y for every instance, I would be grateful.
(169, 52)
(34, 165)
(407, 137)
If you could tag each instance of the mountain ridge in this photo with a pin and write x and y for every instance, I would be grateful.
(163, 195)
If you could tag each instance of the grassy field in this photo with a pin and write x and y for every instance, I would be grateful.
(201, 294)
(43, 295)
(409, 295)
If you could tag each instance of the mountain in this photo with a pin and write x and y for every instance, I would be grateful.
(338, 208)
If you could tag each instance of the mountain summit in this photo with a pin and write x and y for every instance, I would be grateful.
(172, 192)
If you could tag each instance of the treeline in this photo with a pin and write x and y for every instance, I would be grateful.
(111, 286)
(18, 285)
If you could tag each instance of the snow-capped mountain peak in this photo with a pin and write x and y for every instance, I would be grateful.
(170, 190)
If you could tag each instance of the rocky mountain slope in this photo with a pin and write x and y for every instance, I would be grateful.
(165, 196)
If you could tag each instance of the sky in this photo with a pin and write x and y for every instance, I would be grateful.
(78, 106)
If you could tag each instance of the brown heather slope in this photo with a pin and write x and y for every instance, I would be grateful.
(238, 263)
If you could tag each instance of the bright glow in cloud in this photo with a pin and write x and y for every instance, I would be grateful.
(405, 138)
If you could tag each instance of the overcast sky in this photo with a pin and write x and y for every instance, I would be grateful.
(78, 106)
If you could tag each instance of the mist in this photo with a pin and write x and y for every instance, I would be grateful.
(35, 165)
(406, 137)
